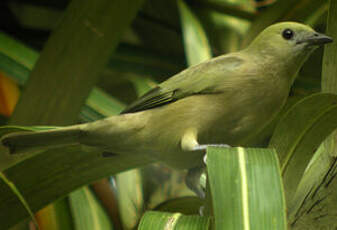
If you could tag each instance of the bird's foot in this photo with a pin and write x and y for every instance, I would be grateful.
(194, 178)
(204, 147)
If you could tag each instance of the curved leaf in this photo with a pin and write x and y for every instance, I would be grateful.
(196, 44)
(314, 203)
(299, 133)
(17, 193)
(18, 52)
(186, 205)
(170, 221)
(237, 9)
(87, 212)
(55, 217)
(130, 197)
(49, 176)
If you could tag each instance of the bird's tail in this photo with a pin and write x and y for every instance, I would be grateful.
(26, 141)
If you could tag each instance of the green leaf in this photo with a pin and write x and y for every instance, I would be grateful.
(314, 203)
(39, 17)
(130, 197)
(329, 67)
(224, 32)
(17, 52)
(237, 9)
(172, 221)
(56, 216)
(7, 160)
(23, 225)
(18, 60)
(246, 189)
(143, 61)
(186, 205)
(102, 104)
(142, 85)
(196, 44)
(88, 29)
(318, 15)
(49, 176)
(66, 71)
(130, 184)
(87, 212)
(299, 133)
(17, 193)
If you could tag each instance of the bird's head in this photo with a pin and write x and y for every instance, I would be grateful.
(288, 41)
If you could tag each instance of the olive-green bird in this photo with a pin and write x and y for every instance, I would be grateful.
(225, 100)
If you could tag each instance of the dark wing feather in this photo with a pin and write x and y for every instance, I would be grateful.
(151, 99)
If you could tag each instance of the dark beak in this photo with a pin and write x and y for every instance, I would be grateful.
(317, 39)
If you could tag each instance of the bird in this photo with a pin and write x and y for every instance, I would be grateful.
(223, 101)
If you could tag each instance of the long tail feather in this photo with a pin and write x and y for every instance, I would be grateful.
(23, 142)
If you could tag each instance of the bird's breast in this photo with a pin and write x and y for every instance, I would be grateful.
(241, 114)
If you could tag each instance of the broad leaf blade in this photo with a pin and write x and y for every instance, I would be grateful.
(173, 221)
(130, 197)
(299, 133)
(314, 203)
(196, 44)
(87, 212)
(18, 194)
(55, 217)
(186, 205)
(101, 104)
(246, 189)
(42, 184)
(15, 51)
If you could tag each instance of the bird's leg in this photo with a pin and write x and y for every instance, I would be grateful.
(193, 177)
(204, 147)
(189, 143)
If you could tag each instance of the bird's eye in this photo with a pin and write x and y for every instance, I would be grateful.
(287, 34)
